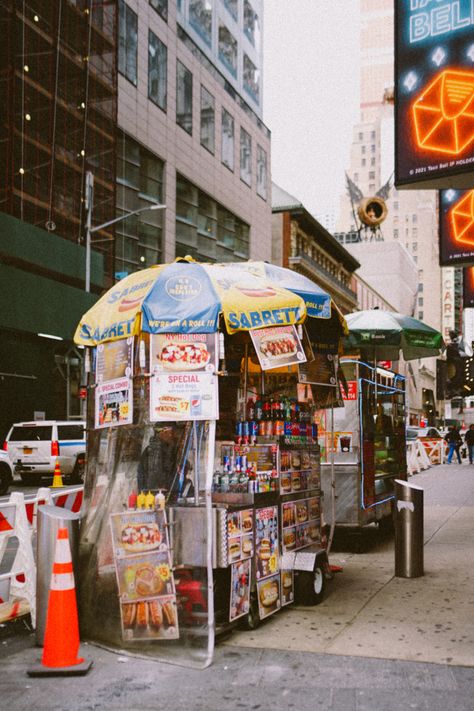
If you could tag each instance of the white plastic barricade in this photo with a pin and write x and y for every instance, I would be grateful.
(417, 458)
(18, 516)
(436, 450)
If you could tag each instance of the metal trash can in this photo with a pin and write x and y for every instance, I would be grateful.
(50, 519)
(408, 530)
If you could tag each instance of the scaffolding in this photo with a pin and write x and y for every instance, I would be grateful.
(58, 77)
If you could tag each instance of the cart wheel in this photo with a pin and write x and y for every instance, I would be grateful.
(310, 587)
(252, 620)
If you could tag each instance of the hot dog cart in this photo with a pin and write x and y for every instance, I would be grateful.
(364, 447)
(202, 493)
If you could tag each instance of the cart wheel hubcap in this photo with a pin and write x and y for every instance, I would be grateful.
(318, 581)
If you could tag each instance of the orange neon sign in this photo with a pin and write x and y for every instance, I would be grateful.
(462, 219)
(443, 114)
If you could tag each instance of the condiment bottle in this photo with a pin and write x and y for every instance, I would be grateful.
(160, 500)
(141, 500)
(150, 501)
(132, 500)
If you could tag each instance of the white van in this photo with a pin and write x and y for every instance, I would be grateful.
(34, 447)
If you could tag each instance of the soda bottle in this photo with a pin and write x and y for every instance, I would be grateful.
(258, 410)
(250, 409)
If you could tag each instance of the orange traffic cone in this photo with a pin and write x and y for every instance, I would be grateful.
(61, 639)
(57, 478)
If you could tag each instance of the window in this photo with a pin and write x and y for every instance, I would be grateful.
(372, 135)
(184, 98)
(362, 162)
(414, 232)
(362, 149)
(361, 136)
(395, 234)
(261, 172)
(138, 239)
(71, 432)
(415, 259)
(205, 229)
(208, 120)
(372, 161)
(371, 175)
(356, 177)
(420, 301)
(227, 49)
(161, 6)
(251, 25)
(420, 273)
(420, 314)
(245, 156)
(200, 19)
(414, 246)
(251, 79)
(372, 148)
(227, 140)
(128, 39)
(414, 218)
(157, 70)
(420, 287)
(231, 6)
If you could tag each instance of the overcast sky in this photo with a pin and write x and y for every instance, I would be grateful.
(311, 95)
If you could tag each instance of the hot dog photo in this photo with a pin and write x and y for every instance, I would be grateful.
(278, 346)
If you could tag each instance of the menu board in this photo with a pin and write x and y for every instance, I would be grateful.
(113, 377)
(240, 544)
(287, 587)
(266, 541)
(300, 523)
(145, 579)
(299, 471)
(268, 592)
(320, 371)
(184, 384)
(240, 589)
(276, 347)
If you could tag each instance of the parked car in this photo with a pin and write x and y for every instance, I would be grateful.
(6, 472)
(34, 448)
(413, 433)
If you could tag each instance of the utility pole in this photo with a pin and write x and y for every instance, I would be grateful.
(89, 205)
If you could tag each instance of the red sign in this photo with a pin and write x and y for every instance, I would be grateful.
(351, 390)
(387, 364)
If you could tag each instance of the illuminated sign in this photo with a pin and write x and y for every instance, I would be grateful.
(468, 288)
(434, 93)
(456, 227)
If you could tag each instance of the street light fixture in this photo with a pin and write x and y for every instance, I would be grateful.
(90, 230)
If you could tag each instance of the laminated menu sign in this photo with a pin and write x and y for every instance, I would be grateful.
(239, 535)
(287, 587)
(145, 578)
(277, 346)
(184, 383)
(113, 376)
(240, 589)
(266, 541)
(301, 521)
(268, 592)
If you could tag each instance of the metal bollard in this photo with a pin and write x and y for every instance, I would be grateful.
(408, 530)
(50, 519)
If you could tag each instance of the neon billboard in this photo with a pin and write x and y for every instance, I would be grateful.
(456, 227)
(434, 93)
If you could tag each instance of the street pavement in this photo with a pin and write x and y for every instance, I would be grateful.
(376, 642)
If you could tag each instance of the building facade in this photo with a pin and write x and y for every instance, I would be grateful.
(301, 243)
(154, 102)
(412, 218)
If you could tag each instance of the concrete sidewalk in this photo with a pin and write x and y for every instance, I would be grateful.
(368, 612)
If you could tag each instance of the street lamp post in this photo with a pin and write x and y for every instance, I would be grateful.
(90, 230)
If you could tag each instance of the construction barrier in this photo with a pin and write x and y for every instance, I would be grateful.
(436, 449)
(417, 457)
(18, 517)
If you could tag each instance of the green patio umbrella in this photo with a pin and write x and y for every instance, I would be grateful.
(382, 335)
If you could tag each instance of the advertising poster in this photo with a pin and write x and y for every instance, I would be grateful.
(351, 393)
(287, 587)
(276, 347)
(266, 541)
(114, 403)
(114, 360)
(184, 383)
(300, 523)
(239, 535)
(240, 589)
(434, 100)
(468, 288)
(268, 592)
(145, 578)
(456, 227)
(113, 377)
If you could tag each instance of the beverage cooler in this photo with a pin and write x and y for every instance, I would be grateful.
(363, 449)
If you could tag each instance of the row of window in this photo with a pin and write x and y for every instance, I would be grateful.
(204, 229)
(361, 135)
(157, 93)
